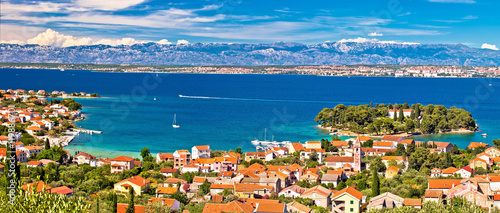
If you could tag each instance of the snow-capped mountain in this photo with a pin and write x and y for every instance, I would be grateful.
(278, 53)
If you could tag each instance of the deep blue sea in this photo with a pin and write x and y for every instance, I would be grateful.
(228, 111)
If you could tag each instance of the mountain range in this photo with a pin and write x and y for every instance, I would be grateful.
(278, 53)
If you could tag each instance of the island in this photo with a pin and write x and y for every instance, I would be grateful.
(381, 119)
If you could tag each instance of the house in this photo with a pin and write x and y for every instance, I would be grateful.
(190, 168)
(464, 172)
(406, 113)
(171, 203)
(385, 200)
(139, 184)
(450, 171)
(280, 151)
(181, 158)
(383, 145)
(168, 172)
(391, 172)
(33, 130)
(479, 163)
(160, 157)
(292, 191)
(200, 152)
(121, 163)
(433, 195)
(320, 195)
(166, 191)
(313, 145)
(274, 182)
(270, 155)
(475, 190)
(271, 208)
(375, 151)
(340, 144)
(413, 203)
(174, 182)
(474, 145)
(31, 151)
(226, 175)
(83, 157)
(34, 164)
(307, 152)
(219, 188)
(493, 152)
(62, 190)
(245, 190)
(225, 164)
(255, 155)
(346, 200)
(443, 184)
(494, 183)
(38, 187)
(329, 178)
(122, 208)
(295, 147)
(392, 138)
(234, 206)
(297, 207)
(407, 142)
(398, 159)
(338, 162)
(435, 172)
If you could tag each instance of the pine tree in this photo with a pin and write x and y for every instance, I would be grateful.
(412, 115)
(375, 184)
(131, 207)
(47, 144)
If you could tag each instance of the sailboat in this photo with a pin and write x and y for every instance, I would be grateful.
(154, 98)
(174, 123)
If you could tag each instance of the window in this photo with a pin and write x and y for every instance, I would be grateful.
(352, 210)
(352, 202)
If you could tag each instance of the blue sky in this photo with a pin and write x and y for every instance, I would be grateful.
(470, 22)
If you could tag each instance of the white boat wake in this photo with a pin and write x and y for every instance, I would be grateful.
(252, 99)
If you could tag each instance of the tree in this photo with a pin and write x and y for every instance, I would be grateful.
(113, 199)
(259, 161)
(47, 144)
(205, 187)
(395, 116)
(375, 184)
(238, 150)
(313, 156)
(97, 204)
(377, 165)
(145, 152)
(131, 207)
(409, 125)
(368, 143)
(400, 149)
(401, 117)
(496, 142)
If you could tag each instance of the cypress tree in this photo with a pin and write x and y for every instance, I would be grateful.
(417, 111)
(395, 117)
(47, 144)
(131, 207)
(114, 200)
(375, 184)
(401, 115)
(97, 205)
(371, 104)
(412, 115)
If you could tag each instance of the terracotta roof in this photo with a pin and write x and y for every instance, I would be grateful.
(430, 193)
(40, 186)
(217, 198)
(496, 197)
(203, 161)
(494, 178)
(202, 147)
(313, 142)
(168, 170)
(221, 186)
(122, 208)
(270, 207)
(294, 188)
(312, 150)
(167, 190)
(34, 163)
(339, 159)
(393, 168)
(64, 190)
(122, 158)
(255, 154)
(364, 138)
(473, 145)
(165, 201)
(233, 160)
(391, 138)
(449, 170)
(467, 168)
(300, 207)
(412, 202)
(136, 180)
(173, 180)
(322, 190)
(339, 143)
(254, 202)
(478, 159)
(164, 156)
(298, 146)
(396, 158)
(234, 206)
(382, 143)
(443, 183)
(349, 190)
(406, 141)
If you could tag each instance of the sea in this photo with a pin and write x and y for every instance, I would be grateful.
(227, 111)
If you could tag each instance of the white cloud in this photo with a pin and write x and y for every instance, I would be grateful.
(164, 42)
(53, 38)
(182, 42)
(375, 34)
(489, 46)
(56, 39)
(469, 17)
(454, 1)
(374, 40)
(108, 4)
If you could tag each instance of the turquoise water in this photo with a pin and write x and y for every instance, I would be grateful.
(228, 111)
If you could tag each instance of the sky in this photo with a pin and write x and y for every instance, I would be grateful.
(81, 22)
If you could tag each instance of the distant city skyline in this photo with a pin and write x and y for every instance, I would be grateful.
(83, 22)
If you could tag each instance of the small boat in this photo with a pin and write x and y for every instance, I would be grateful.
(174, 123)
(62, 70)
(484, 135)
(154, 98)
(255, 142)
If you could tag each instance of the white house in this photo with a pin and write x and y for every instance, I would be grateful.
(292, 191)
(406, 113)
(305, 154)
(464, 172)
(200, 152)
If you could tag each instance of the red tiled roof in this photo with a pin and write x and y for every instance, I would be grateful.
(339, 159)
(412, 202)
(390, 138)
(443, 183)
(349, 190)
(64, 190)
(122, 158)
(122, 208)
(137, 180)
